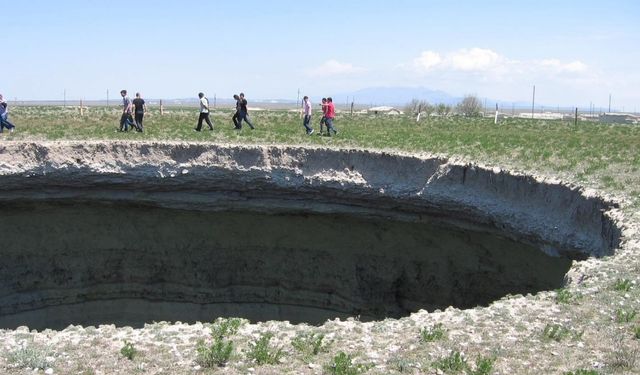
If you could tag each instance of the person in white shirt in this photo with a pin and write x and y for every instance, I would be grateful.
(126, 120)
(306, 106)
(204, 113)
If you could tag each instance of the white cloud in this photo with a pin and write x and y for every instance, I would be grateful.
(560, 67)
(490, 63)
(334, 68)
(428, 60)
(475, 59)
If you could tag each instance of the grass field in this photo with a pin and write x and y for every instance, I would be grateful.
(602, 156)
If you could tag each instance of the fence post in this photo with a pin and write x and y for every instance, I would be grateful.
(576, 119)
(81, 109)
(495, 121)
(161, 108)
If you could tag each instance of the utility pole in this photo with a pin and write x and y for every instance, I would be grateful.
(214, 101)
(609, 103)
(533, 102)
(107, 97)
(64, 98)
(298, 99)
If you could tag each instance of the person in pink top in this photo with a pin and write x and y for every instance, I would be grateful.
(306, 106)
(330, 115)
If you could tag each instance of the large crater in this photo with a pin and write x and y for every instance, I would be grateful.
(129, 233)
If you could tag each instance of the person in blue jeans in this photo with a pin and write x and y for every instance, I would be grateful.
(306, 107)
(126, 120)
(4, 116)
(244, 113)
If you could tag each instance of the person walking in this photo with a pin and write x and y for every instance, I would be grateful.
(330, 115)
(4, 116)
(244, 113)
(140, 108)
(323, 120)
(306, 105)
(126, 119)
(236, 115)
(204, 113)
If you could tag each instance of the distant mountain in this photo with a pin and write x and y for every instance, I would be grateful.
(396, 96)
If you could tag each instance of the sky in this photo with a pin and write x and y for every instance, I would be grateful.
(574, 52)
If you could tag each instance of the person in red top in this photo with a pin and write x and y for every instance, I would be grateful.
(324, 114)
(330, 115)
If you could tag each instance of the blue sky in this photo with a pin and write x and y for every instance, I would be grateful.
(575, 52)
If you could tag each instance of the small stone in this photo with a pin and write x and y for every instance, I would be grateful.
(49, 371)
(197, 367)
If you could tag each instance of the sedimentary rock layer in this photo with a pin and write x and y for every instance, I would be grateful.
(132, 232)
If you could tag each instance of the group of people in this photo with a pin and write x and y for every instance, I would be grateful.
(133, 112)
(4, 116)
(130, 108)
(241, 114)
(328, 114)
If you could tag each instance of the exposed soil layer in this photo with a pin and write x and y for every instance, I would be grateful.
(129, 233)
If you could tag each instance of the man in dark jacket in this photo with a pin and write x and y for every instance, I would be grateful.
(244, 113)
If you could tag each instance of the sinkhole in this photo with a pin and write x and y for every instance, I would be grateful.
(127, 234)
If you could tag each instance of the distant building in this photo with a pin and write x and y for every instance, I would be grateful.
(619, 118)
(385, 110)
(542, 116)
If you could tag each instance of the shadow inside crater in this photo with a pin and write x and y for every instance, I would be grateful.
(126, 264)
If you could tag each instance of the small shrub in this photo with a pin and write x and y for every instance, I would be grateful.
(565, 296)
(430, 334)
(452, 364)
(636, 332)
(309, 344)
(622, 285)
(217, 354)
(559, 332)
(261, 352)
(484, 366)
(342, 364)
(30, 356)
(401, 364)
(625, 315)
(223, 327)
(128, 350)
(623, 356)
(582, 372)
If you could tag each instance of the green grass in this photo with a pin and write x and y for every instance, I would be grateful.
(622, 285)
(30, 356)
(262, 352)
(558, 332)
(128, 350)
(606, 155)
(454, 363)
(342, 364)
(434, 333)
